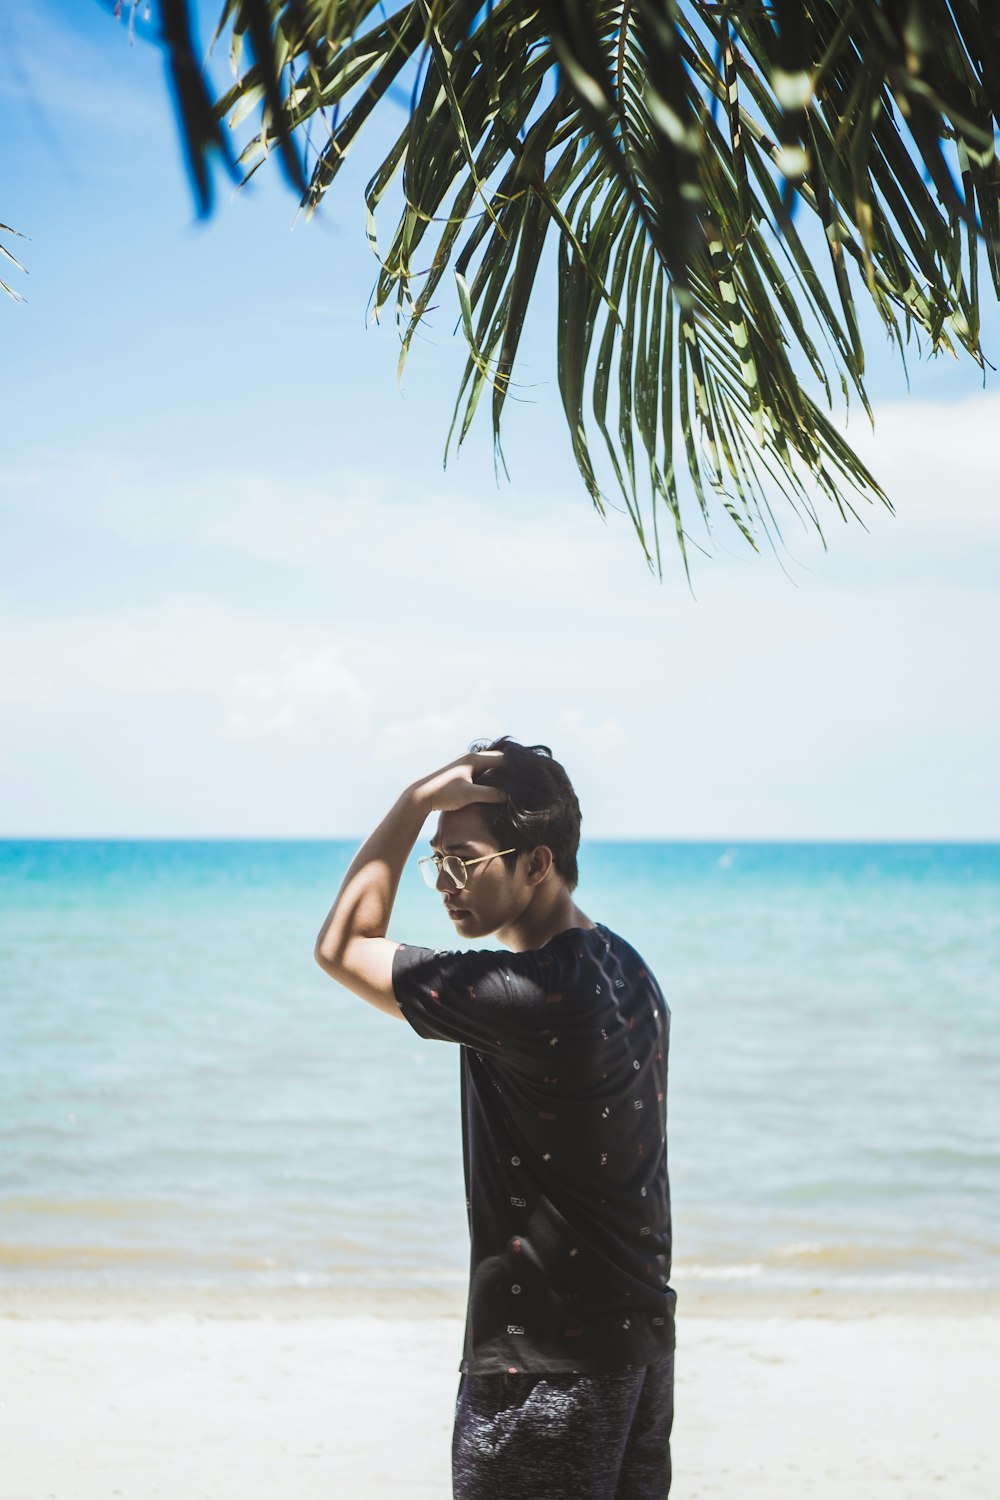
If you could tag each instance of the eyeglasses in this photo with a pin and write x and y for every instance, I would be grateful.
(452, 869)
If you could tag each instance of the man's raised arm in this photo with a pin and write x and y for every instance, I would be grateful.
(352, 946)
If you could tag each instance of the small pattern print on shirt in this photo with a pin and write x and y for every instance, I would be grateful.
(543, 1132)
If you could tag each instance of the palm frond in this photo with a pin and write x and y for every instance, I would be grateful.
(9, 256)
(721, 185)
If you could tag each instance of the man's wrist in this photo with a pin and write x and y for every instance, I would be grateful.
(416, 801)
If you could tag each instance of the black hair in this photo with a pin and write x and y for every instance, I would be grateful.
(541, 805)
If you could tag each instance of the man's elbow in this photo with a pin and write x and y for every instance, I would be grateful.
(361, 965)
(326, 956)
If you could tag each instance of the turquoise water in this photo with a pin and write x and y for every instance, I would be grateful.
(185, 1097)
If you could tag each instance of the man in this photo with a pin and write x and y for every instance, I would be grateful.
(566, 1390)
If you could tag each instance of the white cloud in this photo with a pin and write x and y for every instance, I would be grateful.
(372, 533)
(290, 692)
(603, 737)
(483, 548)
(344, 631)
(260, 674)
(275, 517)
(432, 738)
(938, 460)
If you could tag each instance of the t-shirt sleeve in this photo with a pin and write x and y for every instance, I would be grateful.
(483, 999)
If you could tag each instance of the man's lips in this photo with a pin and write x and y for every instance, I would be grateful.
(455, 911)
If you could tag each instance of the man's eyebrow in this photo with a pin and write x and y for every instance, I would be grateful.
(450, 848)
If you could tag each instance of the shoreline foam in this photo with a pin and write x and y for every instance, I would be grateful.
(60, 1302)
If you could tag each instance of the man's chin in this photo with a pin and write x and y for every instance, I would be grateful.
(468, 923)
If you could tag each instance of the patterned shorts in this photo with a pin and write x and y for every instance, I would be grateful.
(601, 1436)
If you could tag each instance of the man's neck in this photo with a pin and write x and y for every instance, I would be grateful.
(543, 920)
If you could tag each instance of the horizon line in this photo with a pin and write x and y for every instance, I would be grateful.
(281, 838)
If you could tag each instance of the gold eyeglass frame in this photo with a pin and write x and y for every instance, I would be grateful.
(437, 860)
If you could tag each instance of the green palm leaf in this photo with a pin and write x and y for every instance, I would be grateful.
(681, 161)
(9, 256)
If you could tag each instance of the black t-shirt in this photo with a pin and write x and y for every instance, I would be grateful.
(564, 1081)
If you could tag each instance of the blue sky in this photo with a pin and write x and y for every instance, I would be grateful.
(233, 609)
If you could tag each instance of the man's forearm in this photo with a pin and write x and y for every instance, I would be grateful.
(365, 900)
(352, 946)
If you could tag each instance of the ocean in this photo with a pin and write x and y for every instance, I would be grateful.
(186, 1099)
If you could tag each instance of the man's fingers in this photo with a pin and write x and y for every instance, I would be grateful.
(456, 785)
(486, 760)
(481, 791)
(488, 793)
(465, 793)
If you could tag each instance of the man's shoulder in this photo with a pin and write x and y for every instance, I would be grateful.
(570, 959)
(415, 954)
(598, 944)
(620, 958)
(466, 965)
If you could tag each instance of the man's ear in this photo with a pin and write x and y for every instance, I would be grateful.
(538, 865)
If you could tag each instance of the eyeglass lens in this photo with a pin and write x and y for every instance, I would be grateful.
(451, 875)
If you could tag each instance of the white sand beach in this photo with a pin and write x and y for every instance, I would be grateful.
(241, 1397)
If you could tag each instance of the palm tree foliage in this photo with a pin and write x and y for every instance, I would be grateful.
(721, 183)
(11, 259)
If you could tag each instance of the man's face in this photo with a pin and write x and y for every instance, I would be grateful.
(493, 895)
